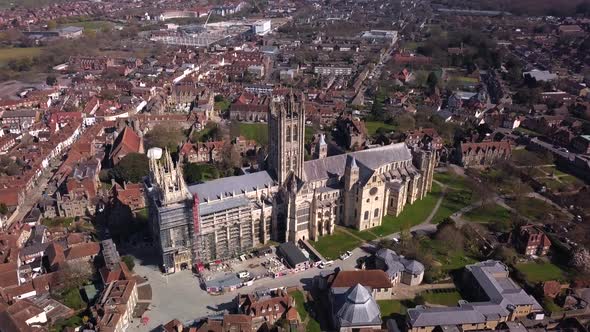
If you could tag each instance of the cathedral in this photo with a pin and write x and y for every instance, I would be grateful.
(292, 200)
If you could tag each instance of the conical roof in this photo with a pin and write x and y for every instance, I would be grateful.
(358, 294)
(359, 309)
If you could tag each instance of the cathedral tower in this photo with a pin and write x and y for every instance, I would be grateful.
(286, 125)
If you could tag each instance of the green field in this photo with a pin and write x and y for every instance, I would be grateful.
(412, 215)
(15, 53)
(331, 246)
(90, 25)
(445, 297)
(392, 307)
(488, 213)
(539, 272)
(373, 126)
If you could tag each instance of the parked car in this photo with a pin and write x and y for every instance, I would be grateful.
(243, 274)
(325, 264)
(345, 255)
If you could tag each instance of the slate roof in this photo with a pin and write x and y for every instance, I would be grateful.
(397, 264)
(367, 161)
(356, 307)
(292, 254)
(215, 189)
(502, 292)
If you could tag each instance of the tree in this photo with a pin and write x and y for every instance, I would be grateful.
(404, 122)
(505, 254)
(129, 261)
(132, 168)
(164, 136)
(581, 260)
(74, 274)
(51, 25)
(51, 80)
(194, 173)
(432, 81)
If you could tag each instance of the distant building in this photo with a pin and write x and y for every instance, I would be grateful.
(293, 256)
(388, 36)
(261, 27)
(540, 75)
(332, 70)
(483, 153)
(581, 144)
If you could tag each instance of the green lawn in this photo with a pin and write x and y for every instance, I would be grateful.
(534, 209)
(539, 272)
(411, 215)
(365, 235)
(300, 304)
(445, 297)
(453, 180)
(373, 126)
(524, 157)
(392, 307)
(552, 170)
(449, 259)
(488, 213)
(15, 53)
(57, 222)
(255, 131)
(331, 246)
(453, 201)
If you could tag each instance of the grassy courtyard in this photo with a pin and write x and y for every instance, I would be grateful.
(393, 307)
(374, 126)
(446, 297)
(538, 272)
(255, 131)
(331, 246)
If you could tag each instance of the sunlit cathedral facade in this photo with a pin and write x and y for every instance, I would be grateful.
(293, 200)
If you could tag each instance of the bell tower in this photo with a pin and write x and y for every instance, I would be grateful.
(286, 126)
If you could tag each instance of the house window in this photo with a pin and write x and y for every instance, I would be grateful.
(376, 214)
(366, 215)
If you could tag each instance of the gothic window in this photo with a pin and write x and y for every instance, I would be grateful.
(366, 215)
(376, 214)
(294, 135)
(288, 138)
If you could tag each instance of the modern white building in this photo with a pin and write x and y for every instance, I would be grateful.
(261, 27)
